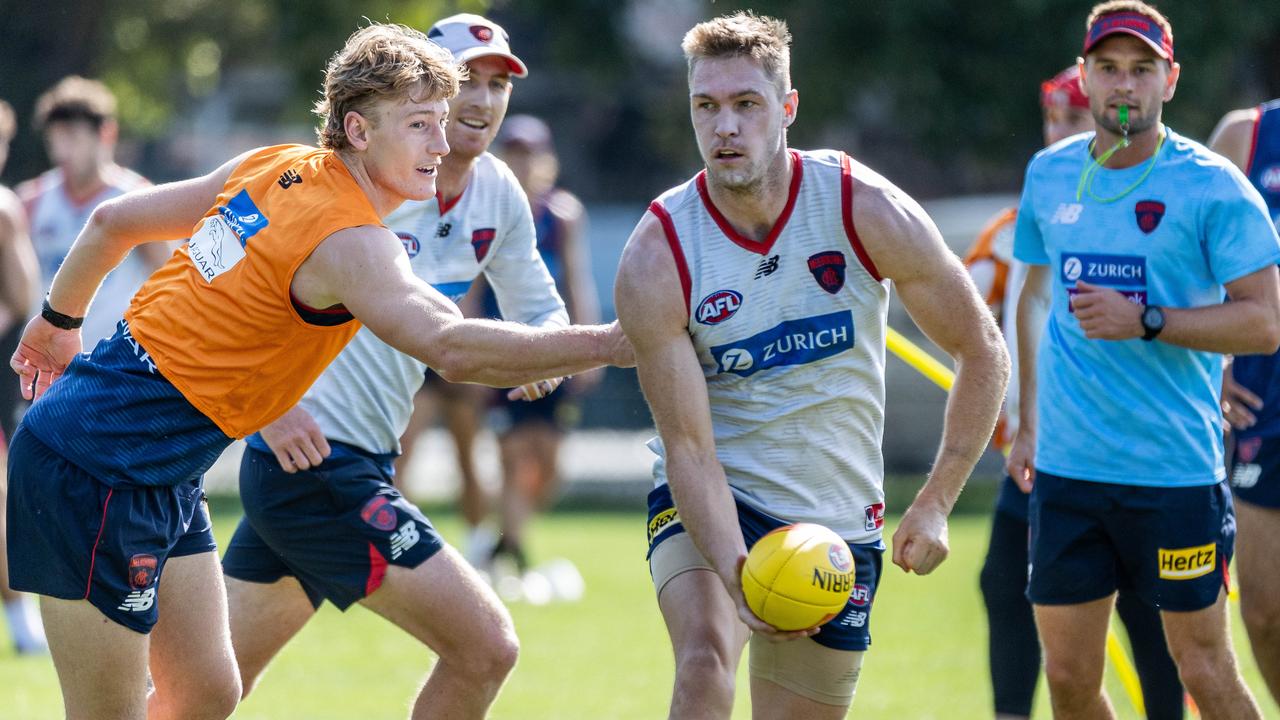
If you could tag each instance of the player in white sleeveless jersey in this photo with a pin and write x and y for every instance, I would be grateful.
(755, 296)
(77, 119)
(323, 520)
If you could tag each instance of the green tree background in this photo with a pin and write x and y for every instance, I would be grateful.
(939, 95)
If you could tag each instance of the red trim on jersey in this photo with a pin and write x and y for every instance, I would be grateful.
(447, 205)
(93, 556)
(762, 247)
(1253, 143)
(377, 571)
(673, 241)
(846, 214)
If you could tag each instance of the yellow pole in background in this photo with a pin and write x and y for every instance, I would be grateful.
(943, 377)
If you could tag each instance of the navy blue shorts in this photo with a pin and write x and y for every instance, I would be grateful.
(334, 527)
(74, 537)
(1254, 471)
(848, 630)
(1011, 500)
(1170, 546)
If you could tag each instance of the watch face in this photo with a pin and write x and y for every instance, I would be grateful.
(1153, 318)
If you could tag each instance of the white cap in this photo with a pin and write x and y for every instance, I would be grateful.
(470, 36)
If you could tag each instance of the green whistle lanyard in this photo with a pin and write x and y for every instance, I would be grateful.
(1090, 172)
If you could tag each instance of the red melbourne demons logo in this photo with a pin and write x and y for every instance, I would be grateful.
(718, 307)
(482, 33)
(828, 269)
(1247, 449)
(142, 571)
(379, 513)
(480, 241)
(1149, 213)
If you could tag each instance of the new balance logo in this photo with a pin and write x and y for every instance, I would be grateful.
(1066, 214)
(289, 178)
(767, 267)
(404, 538)
(442, 230)
(139, 600)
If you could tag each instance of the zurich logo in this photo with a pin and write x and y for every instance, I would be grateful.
(1072, 268)
(718, 307)
(736, 360)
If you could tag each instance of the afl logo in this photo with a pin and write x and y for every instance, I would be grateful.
(719, 306)
(410, 242)
(1270, 179)
(1071, 269)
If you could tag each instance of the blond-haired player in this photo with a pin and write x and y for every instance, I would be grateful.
(287, 257)
(756, 296)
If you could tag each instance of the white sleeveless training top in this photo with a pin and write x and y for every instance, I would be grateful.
(790, 335)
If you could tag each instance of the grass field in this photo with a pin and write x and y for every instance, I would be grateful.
(607, 657)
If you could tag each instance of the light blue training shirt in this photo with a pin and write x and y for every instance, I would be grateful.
(1136, 412)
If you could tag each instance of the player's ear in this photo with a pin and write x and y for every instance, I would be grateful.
(1080, 64)
(1171, 82)
(790, 105)
(356, 127)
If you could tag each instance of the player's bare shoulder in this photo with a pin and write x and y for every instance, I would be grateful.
(892, 226)
(1233, 137)
(648, 288)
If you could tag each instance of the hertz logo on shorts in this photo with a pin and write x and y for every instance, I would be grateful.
(1187, 563)
(662, 521)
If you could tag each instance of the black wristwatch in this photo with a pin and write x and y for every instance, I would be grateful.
(57, 319)
(1152, 321)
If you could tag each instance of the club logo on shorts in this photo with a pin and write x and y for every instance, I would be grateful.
(840, 557)
(142, 571)
(828, 269)
(719, 306)
(1187, 563)
(379, 513)
(1149, 213)
(1247, 449)
(861, 595)
(668, 518)
(874, 519)
(481, 240)
(410, 242)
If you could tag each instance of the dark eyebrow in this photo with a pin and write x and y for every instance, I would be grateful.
(737, 94)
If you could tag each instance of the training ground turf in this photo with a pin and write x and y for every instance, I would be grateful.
(607, 657)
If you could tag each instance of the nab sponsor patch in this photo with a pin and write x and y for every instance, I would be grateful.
(243, 216)
(1187, 563)
(793, 342)
(668, 518)
(718, 307)
(1126, 274)
(410, 241)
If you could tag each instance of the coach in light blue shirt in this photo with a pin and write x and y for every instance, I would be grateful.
(1135, 235)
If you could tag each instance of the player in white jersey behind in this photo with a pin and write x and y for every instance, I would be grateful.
(755, 297)
(322, 518)
(77, 118)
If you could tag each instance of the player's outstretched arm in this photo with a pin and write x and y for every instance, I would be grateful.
(651, 308)
(1033, 310)
(156, 213)
(366, 269)
(936, 290)
(19, 269)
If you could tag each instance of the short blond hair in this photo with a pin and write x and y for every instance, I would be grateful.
(1133, 6)
(8, 122)
(744, 34)
(76, 99)
(378, 62)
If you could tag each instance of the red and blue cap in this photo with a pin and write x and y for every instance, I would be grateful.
(1141, 26)
(1063, 90)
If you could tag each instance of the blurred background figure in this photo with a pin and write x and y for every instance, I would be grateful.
(77, 119)
(530, 433)
(19, 278)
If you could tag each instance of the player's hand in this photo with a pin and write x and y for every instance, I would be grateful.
(296, 440)
(1105, 314)
(620, 354)
(1238, 404)
(43, 354)
(920, 542)
(534, 390)
(1021, 463)
(748, 618)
